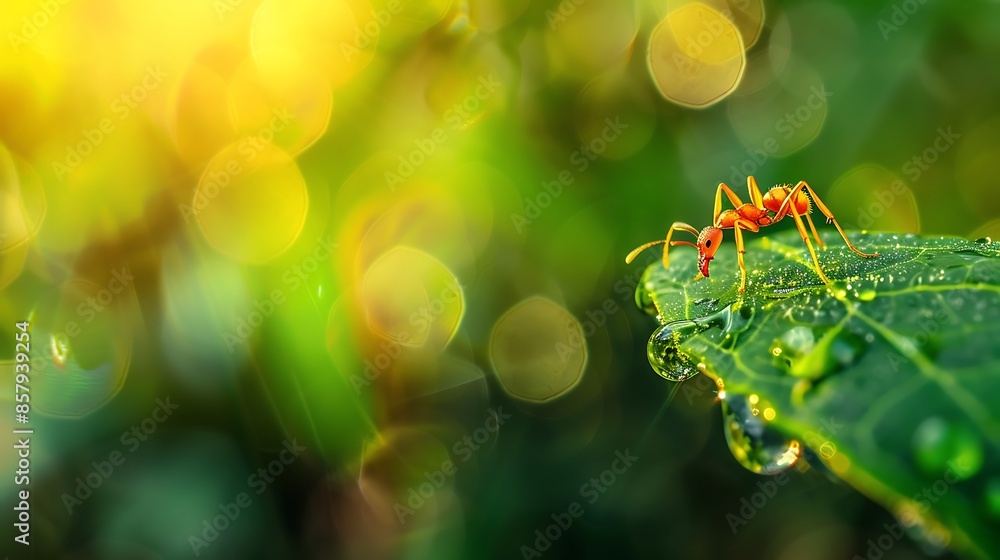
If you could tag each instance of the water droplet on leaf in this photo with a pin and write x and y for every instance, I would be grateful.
(663, 349)
(755, 445)
(665, 356)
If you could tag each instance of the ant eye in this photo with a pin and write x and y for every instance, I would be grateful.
(708, 243)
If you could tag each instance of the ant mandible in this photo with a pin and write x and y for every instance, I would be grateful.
(762, 211)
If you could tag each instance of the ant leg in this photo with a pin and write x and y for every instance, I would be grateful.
(805, 237)
(812, 226)
(666, 262)
(735, 200)
(755, 197)
(738, 228)
(830, 219)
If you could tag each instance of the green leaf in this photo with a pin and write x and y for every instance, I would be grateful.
(890, 376)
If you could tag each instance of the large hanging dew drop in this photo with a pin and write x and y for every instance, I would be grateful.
(538, 350)
(696, 56)
(754, 444)
(940, 445)
(665, 356)
(664, 352)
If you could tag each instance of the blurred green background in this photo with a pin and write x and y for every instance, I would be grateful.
(345, 279)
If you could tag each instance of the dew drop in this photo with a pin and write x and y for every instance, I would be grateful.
(866, 295)
(940, 445)
(722, 326)
(538, 350)
(755, 445)
(665, 356)
(983, 240)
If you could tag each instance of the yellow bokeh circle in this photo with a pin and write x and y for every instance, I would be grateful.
(251, 202)
(696, 56)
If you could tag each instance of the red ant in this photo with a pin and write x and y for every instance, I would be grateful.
(762, 211)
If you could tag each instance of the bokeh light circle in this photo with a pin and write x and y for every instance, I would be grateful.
(412, 298)
(696, 56)
(81, 346)
(538, 350)
(294, 112)
(251, 202)
(746, 15)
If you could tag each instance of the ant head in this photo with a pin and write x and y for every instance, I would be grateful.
(708, 243)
